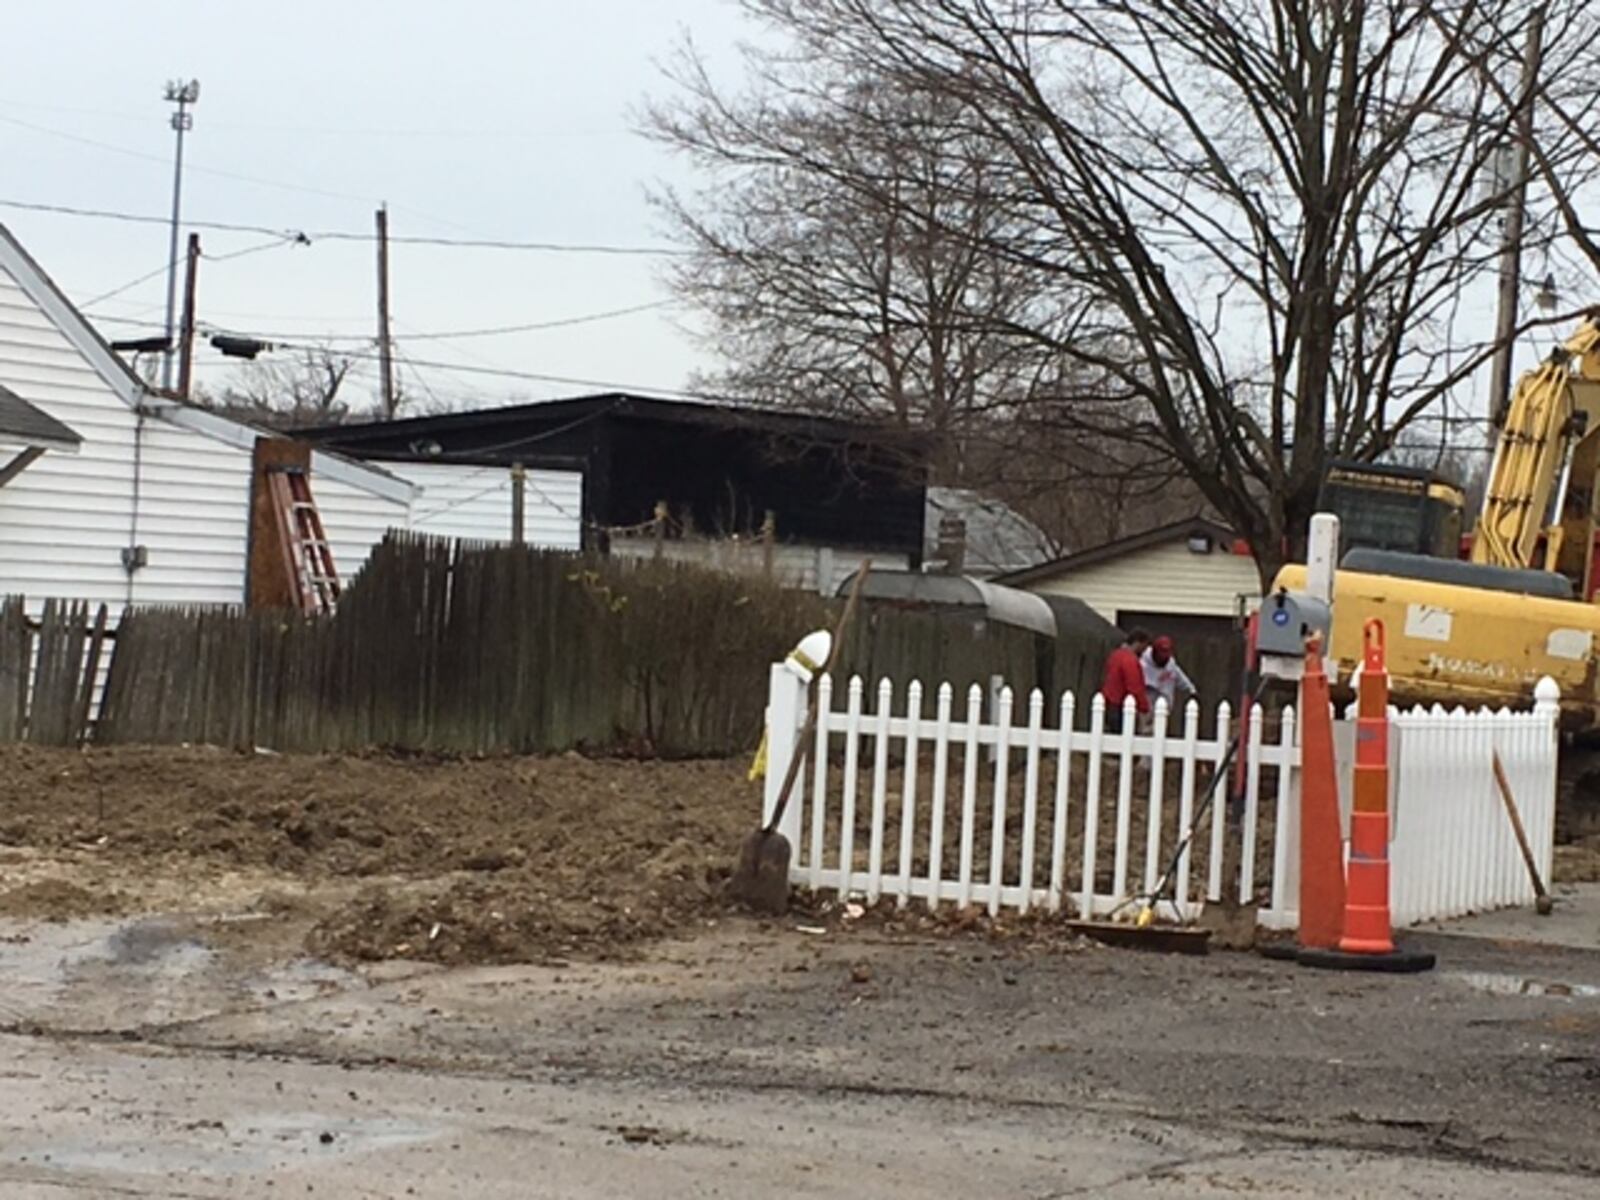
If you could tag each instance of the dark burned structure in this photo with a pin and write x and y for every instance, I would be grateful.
(720, 469)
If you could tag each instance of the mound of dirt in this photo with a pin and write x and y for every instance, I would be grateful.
(491, 860)
(58, 900)
(517, 916)
(343, 815)
(1577, 862)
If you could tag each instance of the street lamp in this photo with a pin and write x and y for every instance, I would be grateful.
(183, 93)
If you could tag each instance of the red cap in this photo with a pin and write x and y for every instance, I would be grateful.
(1163, 643)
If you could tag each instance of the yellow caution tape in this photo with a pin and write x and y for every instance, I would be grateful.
(805, 660)
(758, 768)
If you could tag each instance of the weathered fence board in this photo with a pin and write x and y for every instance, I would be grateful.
(49, 671)
(462, 648)
(442, 646)
(15, 645)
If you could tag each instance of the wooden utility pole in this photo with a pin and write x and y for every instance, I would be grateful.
(186, 352)
(385, 353)
(1511, 241)
(519, 488)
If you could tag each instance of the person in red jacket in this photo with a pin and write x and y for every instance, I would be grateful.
(1125, 677)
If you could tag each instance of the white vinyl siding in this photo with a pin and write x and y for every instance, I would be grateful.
(820, 569)
(461, 501)
(354, 520)
(194, 518)
(1167, 578)
(66, 519)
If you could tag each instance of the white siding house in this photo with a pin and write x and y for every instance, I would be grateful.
(462, 501)
(165, 485)
(1188, 569)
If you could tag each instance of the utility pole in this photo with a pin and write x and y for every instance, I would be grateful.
(183, 93)
(186, 352)
(385, 353)
(1511, 241)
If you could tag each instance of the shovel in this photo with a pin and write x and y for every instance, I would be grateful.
(761, 879)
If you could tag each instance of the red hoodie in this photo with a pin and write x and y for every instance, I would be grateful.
(1124, 678)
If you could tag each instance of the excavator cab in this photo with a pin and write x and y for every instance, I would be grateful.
(1380, 506)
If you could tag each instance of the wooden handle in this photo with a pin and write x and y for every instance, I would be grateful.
(810, 727)
(1516, 823)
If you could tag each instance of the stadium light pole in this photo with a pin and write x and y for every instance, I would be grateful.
(183, 93)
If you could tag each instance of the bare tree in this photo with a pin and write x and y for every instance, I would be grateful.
(839, 246)
(306, 389)
(1241, 229)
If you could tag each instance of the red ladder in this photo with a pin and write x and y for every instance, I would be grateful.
(307, 555)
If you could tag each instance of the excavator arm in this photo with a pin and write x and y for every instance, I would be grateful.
(1540, 507)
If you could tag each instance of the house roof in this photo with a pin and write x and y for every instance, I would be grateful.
(1177, 530)
(625, 407)
(999, 539)
(133, 392)
(27, 425)
(828, 482)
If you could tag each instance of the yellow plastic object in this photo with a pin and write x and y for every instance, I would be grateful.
(758, 767)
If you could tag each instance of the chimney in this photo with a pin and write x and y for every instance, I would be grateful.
(952, 548)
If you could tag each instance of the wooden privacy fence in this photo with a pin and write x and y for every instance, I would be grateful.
(469, 648)
(49, 671)
(1012, 811)
(455, 647)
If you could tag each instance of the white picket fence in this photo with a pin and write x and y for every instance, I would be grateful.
(1014, 813)
(1453, 851)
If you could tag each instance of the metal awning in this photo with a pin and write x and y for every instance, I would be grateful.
(1007, 605)
(31, 431)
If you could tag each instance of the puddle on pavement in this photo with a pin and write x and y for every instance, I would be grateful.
(1518, 985)
(103, 973)
(245, 1142)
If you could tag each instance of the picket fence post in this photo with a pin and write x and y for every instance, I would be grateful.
(786, 706)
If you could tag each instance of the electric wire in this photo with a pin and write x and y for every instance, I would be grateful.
(346, 235)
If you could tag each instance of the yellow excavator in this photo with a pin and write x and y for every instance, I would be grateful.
(1482, 632)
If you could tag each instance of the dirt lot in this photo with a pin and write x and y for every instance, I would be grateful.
(166, 1033)
(451, 861)
(496, 860)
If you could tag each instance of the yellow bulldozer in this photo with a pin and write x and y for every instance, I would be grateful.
(1480, 632)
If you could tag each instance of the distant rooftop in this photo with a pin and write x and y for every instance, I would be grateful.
(999, 539)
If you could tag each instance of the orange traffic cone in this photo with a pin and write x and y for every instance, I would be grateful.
(1366, 910)
(1322, 898)
(1367, 943)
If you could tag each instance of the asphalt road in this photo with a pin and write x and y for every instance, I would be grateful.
(137, 1062)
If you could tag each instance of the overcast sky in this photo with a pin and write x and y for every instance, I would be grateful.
(499, 119)
(486, 119)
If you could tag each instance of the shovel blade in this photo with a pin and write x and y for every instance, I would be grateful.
(1232, 925)
(761, 879)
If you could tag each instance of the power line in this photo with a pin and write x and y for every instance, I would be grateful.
(131, 284)
(344, 235)
(161, 270)
(577, 131)
(140, 154)
(466, 368)
(535, 326)
(418, 335)
(282, 239)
